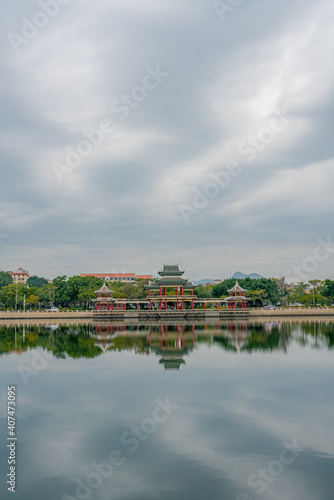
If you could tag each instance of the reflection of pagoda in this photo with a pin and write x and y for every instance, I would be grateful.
(170, 278)
(237, 332)
(104, 336)
(237, 299)
(104, 300)
(171, 363)
(172, 345)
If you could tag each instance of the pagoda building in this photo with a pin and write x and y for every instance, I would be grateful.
(104, 300)
(237, 299)
(170, 279)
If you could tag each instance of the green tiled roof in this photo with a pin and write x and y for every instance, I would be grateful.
(173, 270)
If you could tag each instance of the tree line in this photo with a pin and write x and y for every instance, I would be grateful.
(78, 291)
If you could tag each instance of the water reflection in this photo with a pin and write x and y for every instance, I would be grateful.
(171, 342)
(245, 389)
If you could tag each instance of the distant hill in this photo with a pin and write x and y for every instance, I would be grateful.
(239, 276)
(236, 276)
(204, 282)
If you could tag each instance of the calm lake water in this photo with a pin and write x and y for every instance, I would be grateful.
(235, 411)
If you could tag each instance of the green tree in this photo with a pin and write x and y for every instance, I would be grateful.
(5, 279)
(203, 292)
(298, 293)
(282, 289)
(267, 284)
(32, 300)
(257, 297)
(314, 288)
(9, 294)
(37, 282)
(67, 290)
(328, 290)
(85, 296)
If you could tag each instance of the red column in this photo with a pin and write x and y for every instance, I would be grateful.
(124, 306)
(100, 306)
(96, 306)
(160, 305)
(217, 304)
(150, 305)
(204, 305)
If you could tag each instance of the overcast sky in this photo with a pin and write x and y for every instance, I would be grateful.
(215, 148)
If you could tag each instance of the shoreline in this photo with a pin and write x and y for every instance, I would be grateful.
(9, 316)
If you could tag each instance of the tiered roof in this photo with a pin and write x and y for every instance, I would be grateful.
(171, 275)
(104, 290)
(237, 289)
(168, 270)
(236, 298)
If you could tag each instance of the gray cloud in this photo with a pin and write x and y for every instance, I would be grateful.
(119, 208)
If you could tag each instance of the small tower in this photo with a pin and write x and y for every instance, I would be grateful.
(237, 299)
(104, 300)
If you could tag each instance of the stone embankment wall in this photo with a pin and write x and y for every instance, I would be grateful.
(10, 315)
(296, 311)
(87, 315)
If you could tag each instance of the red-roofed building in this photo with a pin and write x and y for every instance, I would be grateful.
(20, 275)
(118, 277)
(144, 276)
